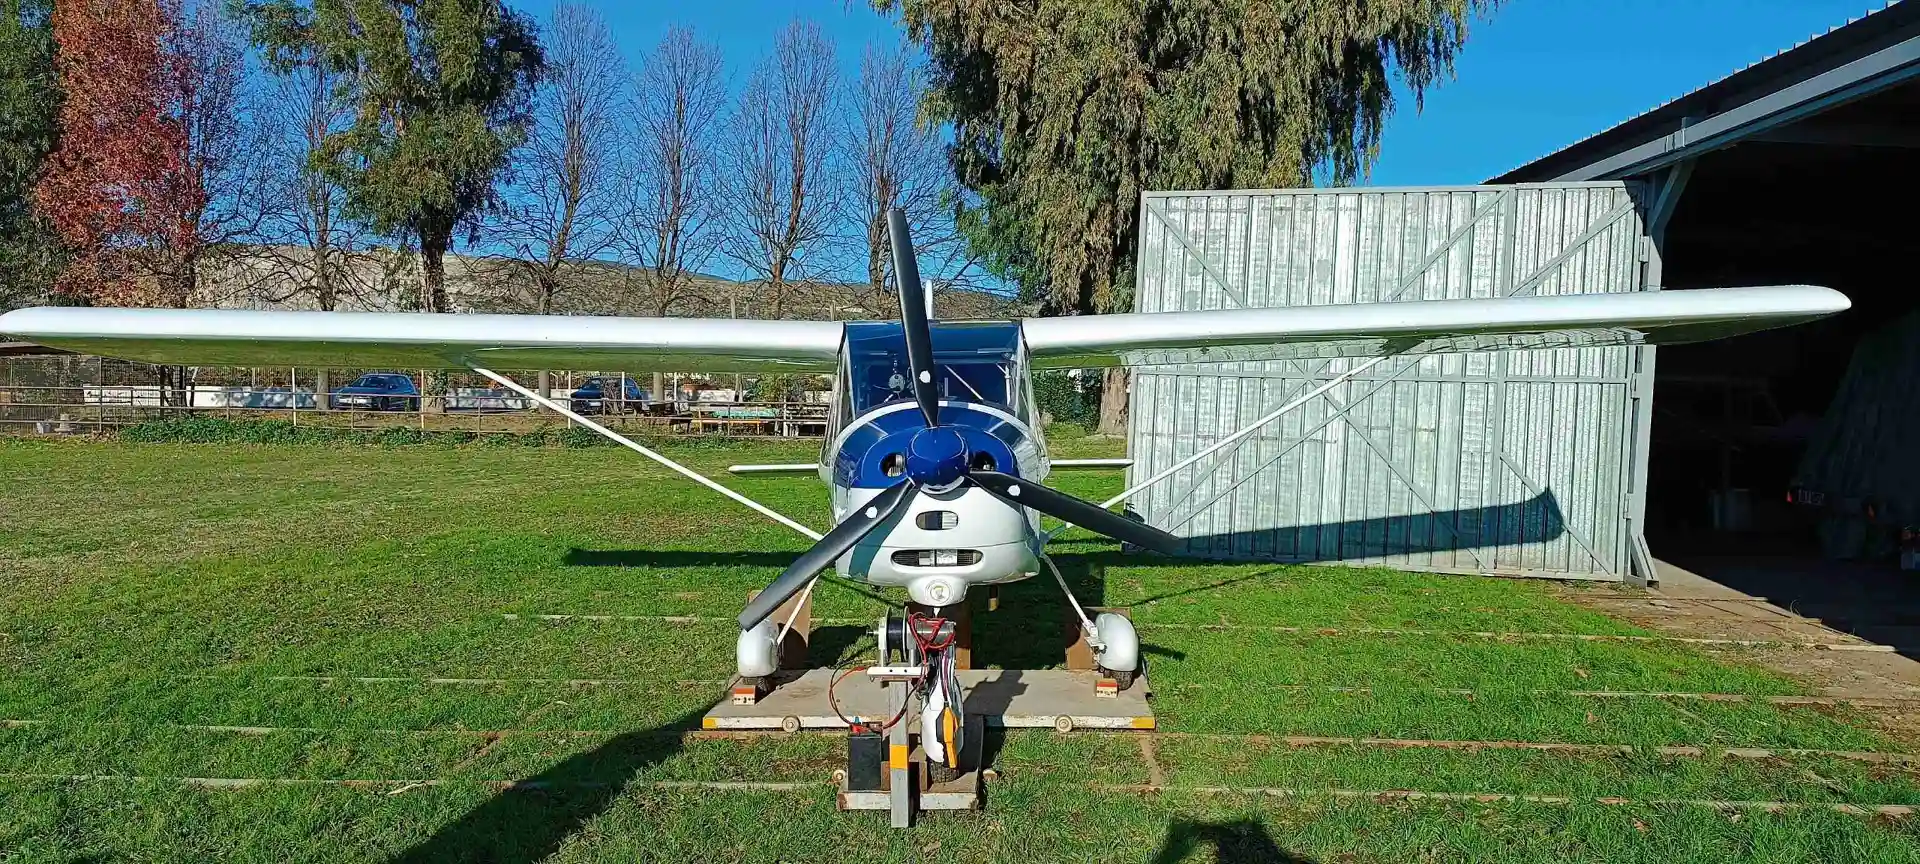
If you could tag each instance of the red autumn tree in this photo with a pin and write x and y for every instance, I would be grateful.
(149, 121)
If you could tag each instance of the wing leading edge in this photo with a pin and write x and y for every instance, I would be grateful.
(1377, 329)
(206, 337)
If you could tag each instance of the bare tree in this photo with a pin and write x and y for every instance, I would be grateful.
(563, 201)
(672, 230)
(310, 252)
(224, 167)
(777, 157)
(897, 161)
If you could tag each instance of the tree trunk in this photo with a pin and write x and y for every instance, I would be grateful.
(1113, 402)
(545, 387)
(659, 388)
(777, 283)
(433, 273)
(321, 399)
(323, 292)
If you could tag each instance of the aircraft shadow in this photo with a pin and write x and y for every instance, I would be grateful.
(529, 822)
(1033, 626)
(1539, 519)
(1242, 841)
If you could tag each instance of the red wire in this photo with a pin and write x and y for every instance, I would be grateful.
(933, 626)
(835, 703)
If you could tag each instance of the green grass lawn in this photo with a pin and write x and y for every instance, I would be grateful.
(199, 611)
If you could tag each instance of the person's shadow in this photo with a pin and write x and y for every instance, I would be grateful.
(1243, 841)
(530, 820)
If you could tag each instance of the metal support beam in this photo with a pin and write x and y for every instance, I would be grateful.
(1305, 436)
(1812, 133)
(1251, 428)
(1672, 184)
(1239, 297)
(623, 441)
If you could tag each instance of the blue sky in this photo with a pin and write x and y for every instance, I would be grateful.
(1537, 76)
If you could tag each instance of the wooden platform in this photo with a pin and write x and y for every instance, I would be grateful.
(1007, 698)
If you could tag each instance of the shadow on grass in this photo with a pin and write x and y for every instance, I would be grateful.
(674, 558)
(530, 821)
(1243, 841)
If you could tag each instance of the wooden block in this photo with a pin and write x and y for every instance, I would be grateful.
(1107, 688)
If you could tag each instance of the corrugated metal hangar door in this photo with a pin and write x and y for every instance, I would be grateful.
(1517, 463)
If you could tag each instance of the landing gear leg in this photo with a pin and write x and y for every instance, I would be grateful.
(933, 642)
(1115, 644)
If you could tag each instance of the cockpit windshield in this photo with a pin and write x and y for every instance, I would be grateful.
(975, 362)
(980, 361)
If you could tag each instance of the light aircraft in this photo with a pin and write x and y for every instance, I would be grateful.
(934, 460)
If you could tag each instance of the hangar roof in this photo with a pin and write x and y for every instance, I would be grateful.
(1867, 55)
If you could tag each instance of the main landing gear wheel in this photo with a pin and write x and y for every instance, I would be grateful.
(1123, 680)
(1119, 656)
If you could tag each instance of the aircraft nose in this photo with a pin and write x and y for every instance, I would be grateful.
(937, 458)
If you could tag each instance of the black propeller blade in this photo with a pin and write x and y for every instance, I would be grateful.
(1086, 514)
(913, 317)
(844, 536)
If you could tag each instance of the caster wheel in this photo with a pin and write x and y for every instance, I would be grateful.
(1123, 680)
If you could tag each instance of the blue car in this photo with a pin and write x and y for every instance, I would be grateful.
(377, 391)
(593, 398)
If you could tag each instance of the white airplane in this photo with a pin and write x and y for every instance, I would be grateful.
(934, 459)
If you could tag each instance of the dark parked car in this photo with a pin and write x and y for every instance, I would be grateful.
(377, 391)
(594, 397)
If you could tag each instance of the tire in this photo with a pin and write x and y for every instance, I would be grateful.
(1123, 680)
(942, 773)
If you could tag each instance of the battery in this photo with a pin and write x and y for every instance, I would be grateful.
(866, 751)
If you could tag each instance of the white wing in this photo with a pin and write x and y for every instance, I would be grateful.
(1376, 329)
(418, 341)
(205, 337)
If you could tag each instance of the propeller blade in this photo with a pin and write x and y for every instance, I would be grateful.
(913, 317)
(844, 536)
(1085, 514)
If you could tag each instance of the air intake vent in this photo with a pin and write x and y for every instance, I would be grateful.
(937, 520)
(936, 557)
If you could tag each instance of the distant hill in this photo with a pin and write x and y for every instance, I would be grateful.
(385, 281)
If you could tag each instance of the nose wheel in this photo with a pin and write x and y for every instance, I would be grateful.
(928, 640)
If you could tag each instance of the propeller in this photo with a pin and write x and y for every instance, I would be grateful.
(825, 551)
(937, 460)
(1067, 508)
(913, 317)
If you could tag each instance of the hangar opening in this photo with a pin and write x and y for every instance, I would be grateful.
(1786, 464)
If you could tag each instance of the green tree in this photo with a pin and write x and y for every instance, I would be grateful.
(441, 91)
(1064, 111)
(30, 255)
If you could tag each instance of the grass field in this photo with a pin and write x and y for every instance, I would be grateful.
(308, 616)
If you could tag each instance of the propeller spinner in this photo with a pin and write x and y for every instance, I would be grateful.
(937, 460)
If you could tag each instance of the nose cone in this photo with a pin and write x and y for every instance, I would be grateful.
(937, 457)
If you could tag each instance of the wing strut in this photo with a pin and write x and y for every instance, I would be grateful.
(623, 441)
(1251, 428)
